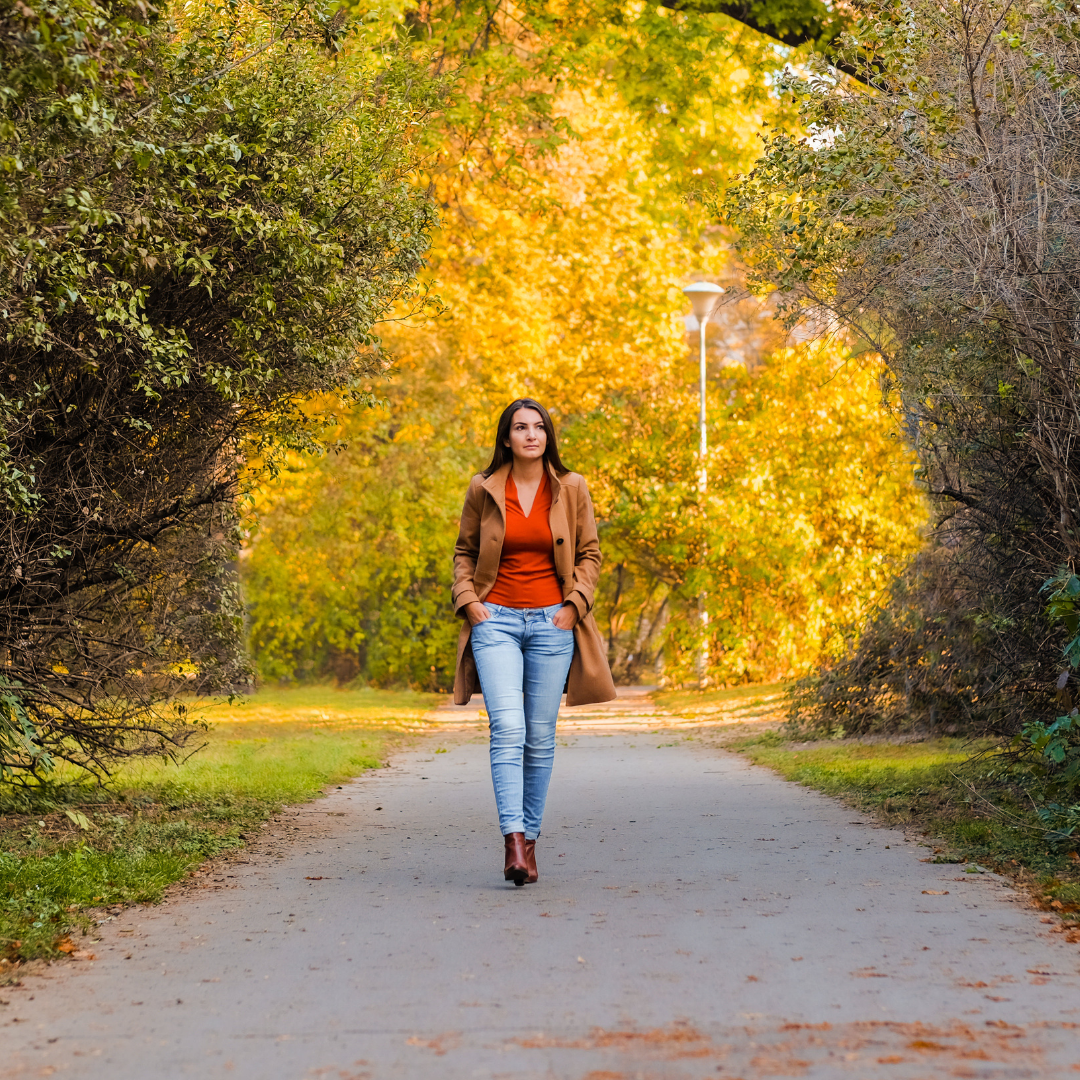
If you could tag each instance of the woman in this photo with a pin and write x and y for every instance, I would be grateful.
(525, 567)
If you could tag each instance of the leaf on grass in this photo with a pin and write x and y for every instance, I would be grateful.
(79, 818)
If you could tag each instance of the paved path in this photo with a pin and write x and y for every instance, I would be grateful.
(696, 917)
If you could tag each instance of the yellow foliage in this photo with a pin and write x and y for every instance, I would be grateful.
(573, 296)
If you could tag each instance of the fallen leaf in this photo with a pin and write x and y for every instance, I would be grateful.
(935, 892)
(319, 878)
(752, 978)
(581, 959)
(65, 945)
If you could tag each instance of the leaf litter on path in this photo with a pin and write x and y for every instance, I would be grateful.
(849, 1049)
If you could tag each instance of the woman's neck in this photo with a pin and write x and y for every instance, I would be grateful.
(528, 470)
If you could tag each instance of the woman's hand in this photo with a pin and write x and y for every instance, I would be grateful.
(476, 613)
(566, 617)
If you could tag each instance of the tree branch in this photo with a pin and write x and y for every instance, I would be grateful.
(815, 25)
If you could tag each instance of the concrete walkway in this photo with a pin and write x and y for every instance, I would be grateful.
(696, 917)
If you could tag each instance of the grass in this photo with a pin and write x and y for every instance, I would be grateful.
(70, 847)
(946, 789)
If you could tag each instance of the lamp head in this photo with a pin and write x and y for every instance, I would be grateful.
(703, 296)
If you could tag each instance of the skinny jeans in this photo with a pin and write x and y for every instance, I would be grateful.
(522, 659)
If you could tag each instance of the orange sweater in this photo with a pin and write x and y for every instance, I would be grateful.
(527, 577)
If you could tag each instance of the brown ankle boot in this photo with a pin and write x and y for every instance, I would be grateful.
(516, 867)
(530, 862)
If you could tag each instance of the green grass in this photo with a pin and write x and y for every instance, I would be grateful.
(155, 821)
(943, 789)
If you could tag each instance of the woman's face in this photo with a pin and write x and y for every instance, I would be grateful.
(528, 439)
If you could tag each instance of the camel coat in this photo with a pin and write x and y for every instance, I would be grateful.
(577, 564)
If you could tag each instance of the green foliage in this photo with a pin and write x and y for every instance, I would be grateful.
(1053, 750)
(1064, 607)
(18, 736)
(203, 215)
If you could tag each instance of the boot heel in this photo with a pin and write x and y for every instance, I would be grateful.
(516, 864)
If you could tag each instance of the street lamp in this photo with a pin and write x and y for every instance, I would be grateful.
(703, 299)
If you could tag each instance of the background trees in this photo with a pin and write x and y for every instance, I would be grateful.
(202, 219)
(208, 211)
(937, 216)
(568, 289)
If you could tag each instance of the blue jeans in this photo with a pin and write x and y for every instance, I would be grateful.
(522, 659)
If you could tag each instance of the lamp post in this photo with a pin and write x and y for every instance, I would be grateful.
(703, 297)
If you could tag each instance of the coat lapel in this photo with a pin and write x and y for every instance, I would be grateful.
(560, 529)
(492, 526)
(495, 486)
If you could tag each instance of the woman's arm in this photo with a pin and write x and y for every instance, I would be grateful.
(466, 551)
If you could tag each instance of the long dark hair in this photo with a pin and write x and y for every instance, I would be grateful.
(503, 453)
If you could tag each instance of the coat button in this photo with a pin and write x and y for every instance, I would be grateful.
(559, 540)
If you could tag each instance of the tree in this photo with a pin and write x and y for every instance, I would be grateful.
(573, 297)
(938, 217)
(202, 220)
